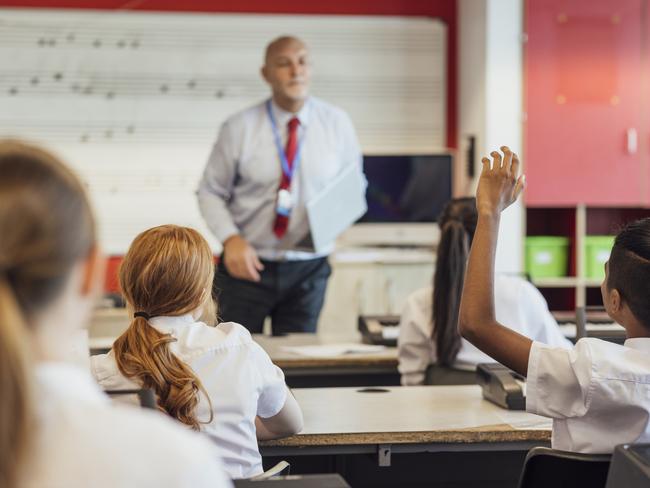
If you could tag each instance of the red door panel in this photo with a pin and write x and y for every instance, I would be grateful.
(583, 102)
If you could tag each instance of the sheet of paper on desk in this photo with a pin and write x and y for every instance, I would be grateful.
(390, 332)
(333, 350)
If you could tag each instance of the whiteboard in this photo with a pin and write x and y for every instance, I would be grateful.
(134, 101)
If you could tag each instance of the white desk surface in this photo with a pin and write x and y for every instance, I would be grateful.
(274, 346)
(418, 414)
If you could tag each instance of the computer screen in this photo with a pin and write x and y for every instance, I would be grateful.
(406, 188)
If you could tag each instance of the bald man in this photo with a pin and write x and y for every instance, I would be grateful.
(268, 161)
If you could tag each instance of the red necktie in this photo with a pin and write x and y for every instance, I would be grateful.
(282, 221)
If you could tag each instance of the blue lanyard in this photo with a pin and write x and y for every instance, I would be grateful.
(278, 144)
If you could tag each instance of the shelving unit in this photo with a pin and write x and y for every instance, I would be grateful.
(576, 289)
(586, 149)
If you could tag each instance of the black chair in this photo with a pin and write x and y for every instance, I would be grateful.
(546, 468)
(630, 467)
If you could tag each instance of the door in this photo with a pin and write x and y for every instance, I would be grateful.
(583, 102)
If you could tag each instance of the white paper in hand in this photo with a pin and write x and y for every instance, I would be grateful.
(335, 208)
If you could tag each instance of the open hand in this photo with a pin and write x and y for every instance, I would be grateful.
(500, 183)
(241, 260)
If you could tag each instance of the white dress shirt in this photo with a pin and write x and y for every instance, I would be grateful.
(84, 440)
(238, 191)
(237, 374)
(518, 305)
(598, 393)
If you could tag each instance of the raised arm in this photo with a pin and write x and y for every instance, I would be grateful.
(499, 186)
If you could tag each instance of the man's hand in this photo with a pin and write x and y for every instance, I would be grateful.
(241, 260)
(499, 184)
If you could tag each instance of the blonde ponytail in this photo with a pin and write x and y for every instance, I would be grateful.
(143, 353)
(168, 270)
(16, 417)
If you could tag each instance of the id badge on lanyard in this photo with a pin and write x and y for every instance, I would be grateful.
(285, 201)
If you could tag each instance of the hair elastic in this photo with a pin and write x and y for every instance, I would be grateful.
(144, 315)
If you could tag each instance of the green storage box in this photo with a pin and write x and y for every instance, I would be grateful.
(547, 256)
(597, 250)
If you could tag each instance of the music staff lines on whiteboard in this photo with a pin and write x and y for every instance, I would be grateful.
(389, 133)
(154, 85)
(175, 35)
(136, 182)
(96, 132)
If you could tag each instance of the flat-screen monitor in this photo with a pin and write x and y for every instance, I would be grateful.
(405, 196)
(406, 188)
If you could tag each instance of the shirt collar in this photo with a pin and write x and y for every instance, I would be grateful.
(60, 379)
(168, 322)
(639, 343)
(283, 117)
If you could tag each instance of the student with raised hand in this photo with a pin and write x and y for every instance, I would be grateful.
(429, 322)
(597, 393)
(213, 379)
(57, 428)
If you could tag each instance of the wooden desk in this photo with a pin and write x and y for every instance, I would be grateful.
(408, 418)
(424, 434)
(356, 369)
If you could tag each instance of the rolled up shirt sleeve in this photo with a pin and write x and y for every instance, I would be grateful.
(216, 186)
(273, 389)
(558, 380)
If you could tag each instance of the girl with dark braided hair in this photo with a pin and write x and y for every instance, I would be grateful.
(431, 349)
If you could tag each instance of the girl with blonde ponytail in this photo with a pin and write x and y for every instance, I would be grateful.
(56, 426)
(143, 352)
(431, 349)
(213, 379)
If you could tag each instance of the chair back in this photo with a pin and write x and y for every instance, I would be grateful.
(630, 467)
(546, 467)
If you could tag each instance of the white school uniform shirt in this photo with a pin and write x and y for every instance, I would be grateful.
(518, 305)
(238, 376)
(598, 393)
(238, 191)
(82, 439)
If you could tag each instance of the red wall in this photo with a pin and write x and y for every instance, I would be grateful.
(442, 9)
